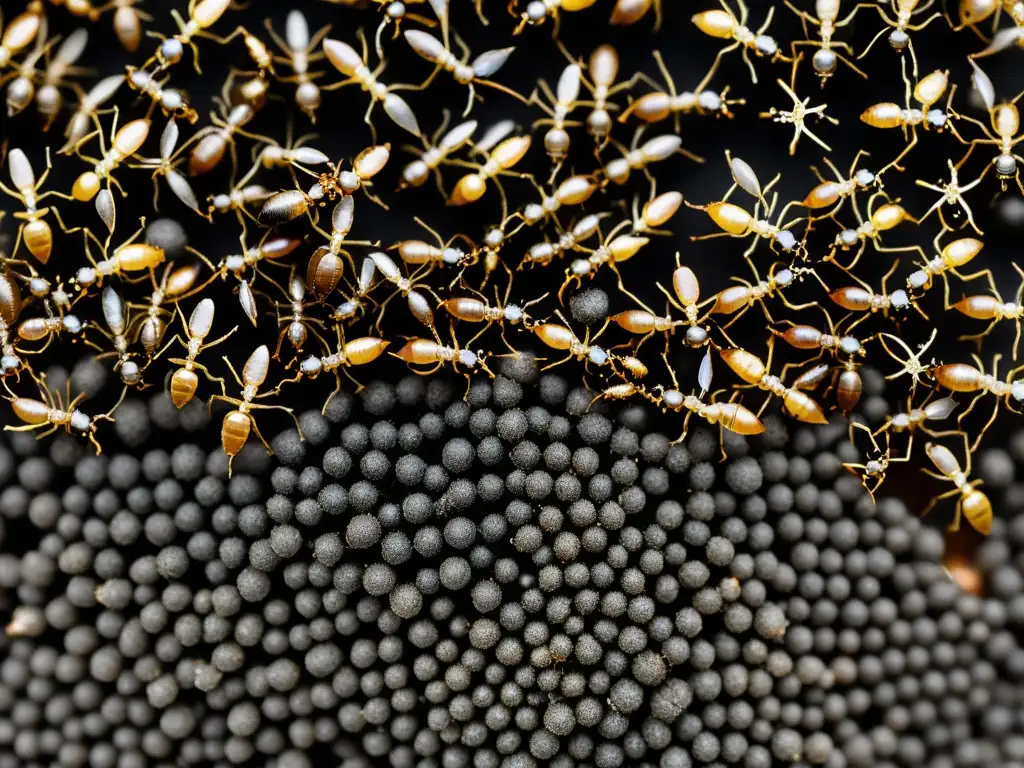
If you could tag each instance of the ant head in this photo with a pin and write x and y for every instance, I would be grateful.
(824, 62)
(866, 178)
(1006, 166)
(852, 346)
(1017, 390)
(901, 301)
(766, 45)
(81, 422)
(697, 336)
(170, 51)
(899, 39)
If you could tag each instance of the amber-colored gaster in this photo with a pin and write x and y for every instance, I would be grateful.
(972, 504)
(239, 423)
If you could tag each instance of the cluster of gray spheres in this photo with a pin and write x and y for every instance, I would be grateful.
(523, 577)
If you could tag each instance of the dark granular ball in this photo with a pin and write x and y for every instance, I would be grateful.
(332, 499)
(590, 306)
(378, 398)
(594, 429)
(512, 579)
(512, 426)
(744, 476)
(285, 540)
(167, 234)
(507, 393)
(406, 601)
(289, 449)
(521, 368)
(374, 466)
(363, 531)
(457, 455)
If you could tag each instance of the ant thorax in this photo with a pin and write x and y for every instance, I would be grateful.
(489, 169)
(772, 383)
(903, 421)
(692, 403)
(107, 164)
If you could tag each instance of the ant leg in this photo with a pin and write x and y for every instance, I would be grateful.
(903, 249)
(259, 436)
(569, 280)
(969, 408)
(895, 163)
(337, 389)
(697, 238)
(984, 429)
(622, 287)
(885, 18)
(940, 497)
(565, 359)
(287, 410)
(206, 371)
(979, 337)
(478, 335)
(848, 62)
(43, 435)
(740, 314)
(25, 428)
(750, 65)
(233, 372)
(280, 341)
(987, 273)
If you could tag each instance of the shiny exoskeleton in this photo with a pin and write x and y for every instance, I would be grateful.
(750, 368)
(972, 503)
(239, 423)
(50, 414)
(184, 381)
